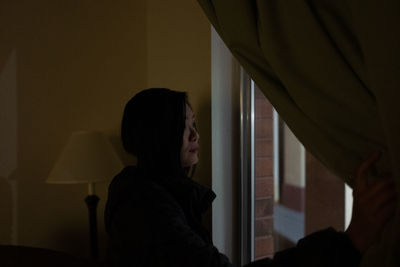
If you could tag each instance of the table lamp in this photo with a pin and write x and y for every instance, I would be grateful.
(87, 158)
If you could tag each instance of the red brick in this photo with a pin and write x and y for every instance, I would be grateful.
(263, 257)
(263, 147)
(263, 167)
(264, 208)
(263, 128)
(263, 247)
(262, 108)
(263, 227)
(264, 187)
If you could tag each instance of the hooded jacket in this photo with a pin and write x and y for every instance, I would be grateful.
(156, 221)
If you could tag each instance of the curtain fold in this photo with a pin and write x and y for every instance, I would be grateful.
(331, 68)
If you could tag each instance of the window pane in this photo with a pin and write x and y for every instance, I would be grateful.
(278, 216)
(285, 209)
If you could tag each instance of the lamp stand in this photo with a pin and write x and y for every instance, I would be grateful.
(91, 201)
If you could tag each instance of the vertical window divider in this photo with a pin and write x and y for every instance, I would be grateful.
(276, 155)
(247, 169)
(252, 181)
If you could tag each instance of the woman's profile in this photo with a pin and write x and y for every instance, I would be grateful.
(154, 210)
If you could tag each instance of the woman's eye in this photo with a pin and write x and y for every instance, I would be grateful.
(194, 125)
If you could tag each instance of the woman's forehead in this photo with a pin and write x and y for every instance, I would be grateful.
(189, 112)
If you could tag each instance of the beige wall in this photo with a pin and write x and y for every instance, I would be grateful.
(293, 159)
(72, 65)
(179, 58)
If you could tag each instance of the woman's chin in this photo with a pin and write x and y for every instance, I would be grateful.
(195, 159)
(190, 162)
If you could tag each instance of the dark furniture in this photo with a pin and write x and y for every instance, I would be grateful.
(21, 256)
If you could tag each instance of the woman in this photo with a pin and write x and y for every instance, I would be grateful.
(154, 210)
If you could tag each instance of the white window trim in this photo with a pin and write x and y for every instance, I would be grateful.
(225, 111)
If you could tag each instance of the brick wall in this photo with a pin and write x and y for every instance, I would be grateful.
(264, 187)
(324, 197)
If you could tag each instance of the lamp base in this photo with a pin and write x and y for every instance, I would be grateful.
(92, 201)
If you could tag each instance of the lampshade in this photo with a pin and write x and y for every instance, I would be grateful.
(88, 157)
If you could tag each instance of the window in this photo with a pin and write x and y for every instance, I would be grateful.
(285, 192)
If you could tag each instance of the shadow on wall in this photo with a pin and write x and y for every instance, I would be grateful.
(8, 147)
(116, 142)
(58, 62)
(202, 175)
(6, 218)
(75, 238)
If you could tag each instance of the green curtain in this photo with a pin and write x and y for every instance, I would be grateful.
(331, 69)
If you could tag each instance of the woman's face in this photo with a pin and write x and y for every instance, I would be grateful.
(190, 144)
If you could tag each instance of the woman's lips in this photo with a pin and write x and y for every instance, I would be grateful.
(194, 150)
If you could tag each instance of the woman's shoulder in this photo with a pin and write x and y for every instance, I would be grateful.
(139, 201)
(132, 183)
(130, 188)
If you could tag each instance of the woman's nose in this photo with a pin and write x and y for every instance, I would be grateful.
(194, 135)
